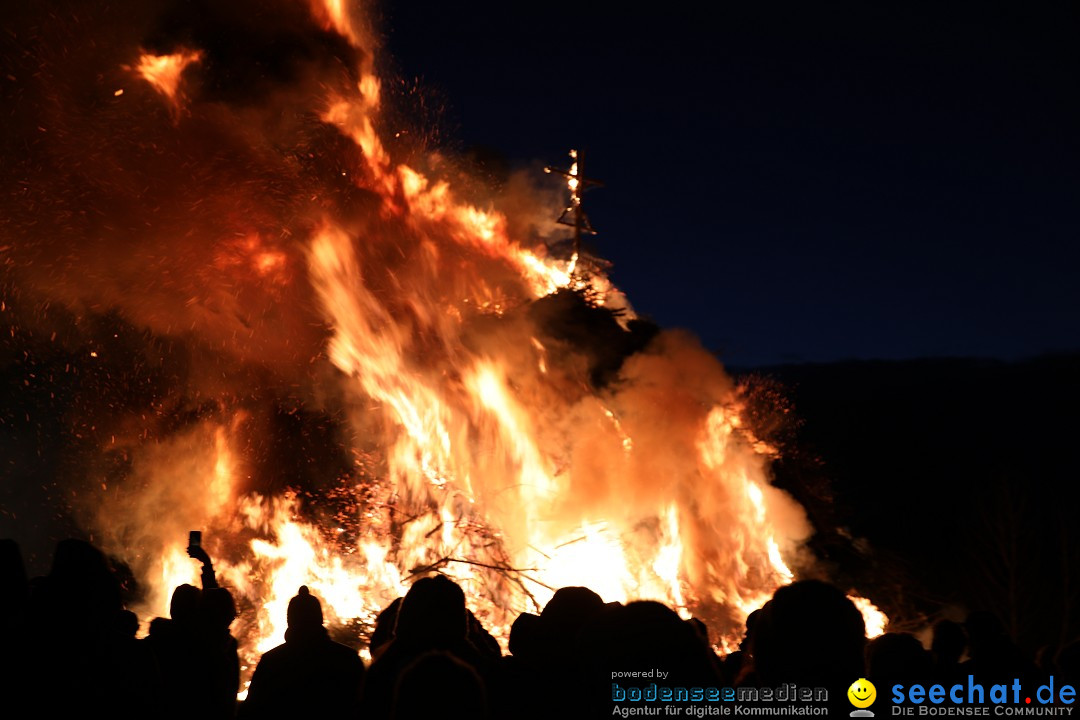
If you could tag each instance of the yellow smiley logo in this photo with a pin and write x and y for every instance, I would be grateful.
(862, 693)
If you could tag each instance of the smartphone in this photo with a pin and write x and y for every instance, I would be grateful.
(194, 538)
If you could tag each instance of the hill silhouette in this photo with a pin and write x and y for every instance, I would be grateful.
(941, 482)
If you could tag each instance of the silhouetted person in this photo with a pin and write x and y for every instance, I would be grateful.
(740, 663)
(80, 595)
(133, 669)
(897, 658)
(566, 613)
(438, 685)
(195, 655)
(812, 635)
(14, 587)
(384, 629)
(432, 616)
(525, 636)
(309, 675)
(481, 639)
(126, 625)
(174, 643)
(219, 658)
(73, 612)
(701, 630)
(641, 634)
(993, 656)
(14, 628)
(551, 657)
(520, 669)
(947, 647)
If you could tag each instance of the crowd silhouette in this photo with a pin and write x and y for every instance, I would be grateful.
(69, 647)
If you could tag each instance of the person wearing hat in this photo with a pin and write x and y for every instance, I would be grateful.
(309, 674)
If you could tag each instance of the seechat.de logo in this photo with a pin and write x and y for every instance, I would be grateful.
(974, 698)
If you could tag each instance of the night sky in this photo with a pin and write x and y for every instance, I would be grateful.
(792, 181)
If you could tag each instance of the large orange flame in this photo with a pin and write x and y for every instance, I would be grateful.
(164, 72)
(492, 454)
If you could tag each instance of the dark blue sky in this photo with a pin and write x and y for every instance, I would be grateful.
(793, 181)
